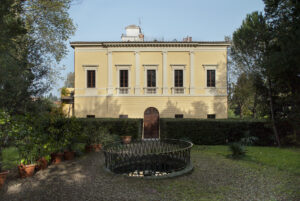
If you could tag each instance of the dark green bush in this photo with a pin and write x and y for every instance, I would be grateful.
(216, 132)
(119, 127)
(237, 150)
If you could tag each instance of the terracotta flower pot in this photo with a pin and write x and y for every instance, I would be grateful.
(69, 155)
(56, 158)
(93, 147)
(97, 147)
(88, 148)
(3, 177)
(126, 139)
(42, 164)
(26, 170)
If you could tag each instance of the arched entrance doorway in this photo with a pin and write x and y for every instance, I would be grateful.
(151, 123)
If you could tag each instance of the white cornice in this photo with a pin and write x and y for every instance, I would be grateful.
(90, 65)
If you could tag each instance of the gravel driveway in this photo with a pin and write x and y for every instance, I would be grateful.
(212, 179)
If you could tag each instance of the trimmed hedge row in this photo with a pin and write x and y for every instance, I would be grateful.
(118, 127)
(216, 132)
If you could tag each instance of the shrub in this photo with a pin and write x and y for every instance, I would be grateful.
(118, 127)
(248, 140)
(216, 132)
(237, 150)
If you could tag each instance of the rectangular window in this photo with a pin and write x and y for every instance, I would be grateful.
(211, 78)
(151, 78)
(123, 116)
(90, 116)
(123, 78)
(178, 78)
(179, 116)
(91, 75)
(211, 116)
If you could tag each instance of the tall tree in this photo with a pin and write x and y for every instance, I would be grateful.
(33, 41)
(69, 83)
(283, 17)
(15, 74)
(250, 51)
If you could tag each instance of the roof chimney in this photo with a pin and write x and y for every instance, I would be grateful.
(187, 39)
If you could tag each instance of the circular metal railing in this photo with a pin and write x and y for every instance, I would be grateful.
(155, 157)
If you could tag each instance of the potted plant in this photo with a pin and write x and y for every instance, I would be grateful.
(44, 157)
(56, 138)
(126, 139)
(71, 133)
(92, 139)
(108, 138)
(29, 154)
(5, 131)
(128, 130)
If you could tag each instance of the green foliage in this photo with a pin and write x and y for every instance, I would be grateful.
(119, 127)
(69, 82)
(266, 45)
(10, 157)
(237, 150)
(9, 128)
(100, 135)
(33, 41)
(27, 141)
(216, 132)
(64, 91)
(248, 140)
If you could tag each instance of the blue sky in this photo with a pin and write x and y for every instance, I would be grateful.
(204, 20)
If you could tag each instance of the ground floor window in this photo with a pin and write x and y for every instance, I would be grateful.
(211, 116)
(123, 116)
(178, 116)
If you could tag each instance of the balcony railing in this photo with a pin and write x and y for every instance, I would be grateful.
(123, 90)
(151, 90)
(178, 90)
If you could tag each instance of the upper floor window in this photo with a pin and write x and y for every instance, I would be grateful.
(123, 78)
(151, 78)
(211, 78)
(151, 82)
(123, 82)
(91, 75)
(178, 82)
(178, 79)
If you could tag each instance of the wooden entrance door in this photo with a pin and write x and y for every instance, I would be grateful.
(151, 123)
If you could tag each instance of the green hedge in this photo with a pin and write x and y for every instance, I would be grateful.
(216, 132)
(118, 127)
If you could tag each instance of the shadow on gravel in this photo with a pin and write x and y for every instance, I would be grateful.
(48, 184)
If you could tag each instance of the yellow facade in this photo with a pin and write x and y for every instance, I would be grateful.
(194, 100)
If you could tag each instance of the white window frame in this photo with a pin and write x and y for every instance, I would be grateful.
(210, 67)
(123, 67)
(146, 68)
(91, 67)
(178, 67)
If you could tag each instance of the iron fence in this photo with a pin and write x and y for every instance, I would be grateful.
(153, 157)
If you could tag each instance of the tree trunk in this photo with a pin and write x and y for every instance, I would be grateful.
(0, 159)
(272, 112)
(254, 105)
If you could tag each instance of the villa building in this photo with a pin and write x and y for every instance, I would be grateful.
(137, 79)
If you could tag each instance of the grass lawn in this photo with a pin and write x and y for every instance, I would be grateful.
(285, 159)
(10, 158)
(266, 173)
